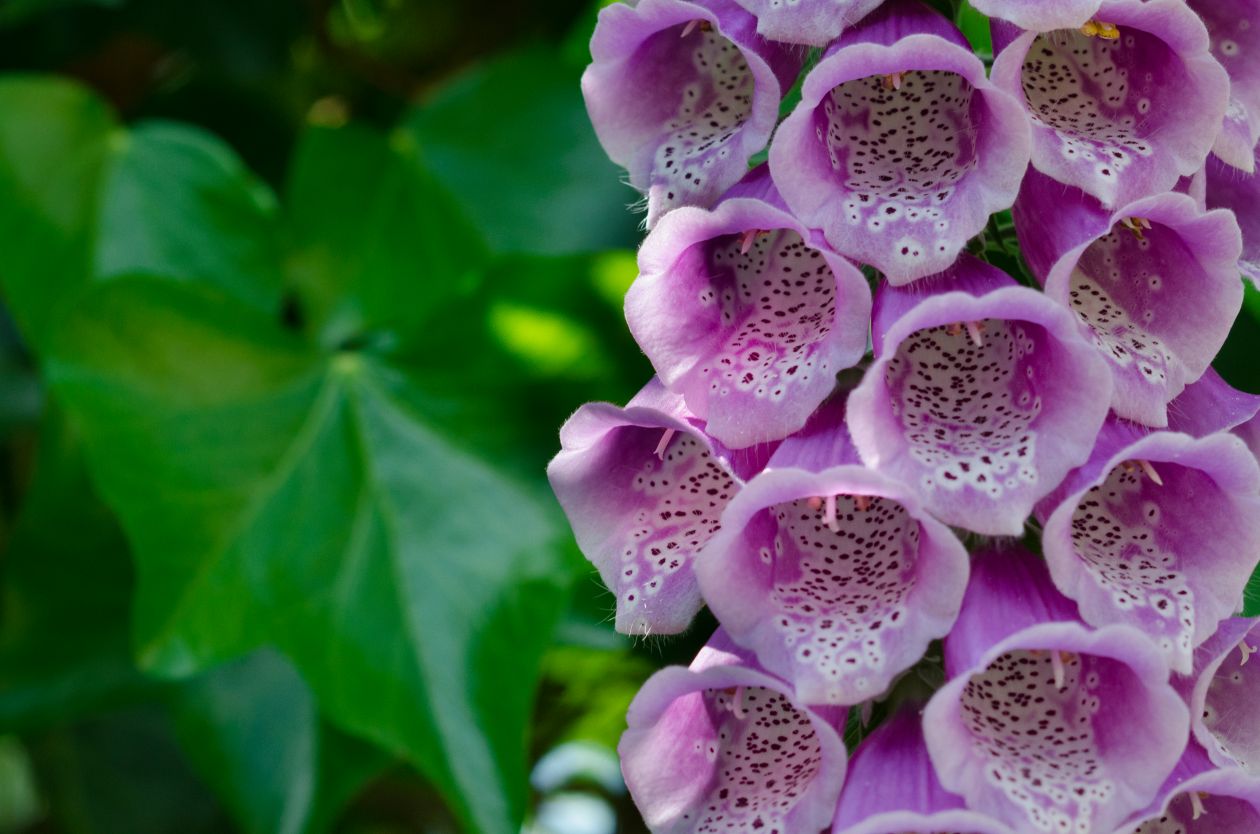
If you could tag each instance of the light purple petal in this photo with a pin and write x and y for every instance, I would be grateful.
(809, 22)
(1210, 405)
(1154, 286)
(1234, 28)
(1053, 727)
(1223, 698)
(981, 433)
(1202, 800)
(681, 94)
(892, 788)
(1120, 119)
(1230, 188)
(747, 315)
(1040, 15)
(722, 747)
(837, 579)
(644, 490)
(900, 148)
(1171, 556)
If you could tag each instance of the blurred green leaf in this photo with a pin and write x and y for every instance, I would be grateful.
(512, 141)
(253, 731)
(122, 772)
(304, 503)
(82, 199)
(65, 594)
(376, 242)
(15, 11)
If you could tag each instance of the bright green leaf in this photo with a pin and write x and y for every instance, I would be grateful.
(512, 141)
(305, 503)
(376, 242)
(975, 27)
(253, 731)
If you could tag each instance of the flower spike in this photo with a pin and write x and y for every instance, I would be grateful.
(1158, 531)
(900, 148)
(1154, 285)
(1234, 29)
(837, 596)
(722, 746)
(1120, 118)
(1222, 696)
(747, 313)
(644, 489)
(1045, 724)
(980, 433)
(1201, 799)
(683, 105)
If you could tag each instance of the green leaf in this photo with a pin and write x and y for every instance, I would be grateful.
(391, 261)
(178, 202)
(254, 732)
(83, 200)
(512, 141)
(975, 27)
(305, 503)
(65, 596)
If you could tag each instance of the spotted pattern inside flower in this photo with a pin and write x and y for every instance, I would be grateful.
(901, 150)
(716, 103)
(1036, 736)
(1217, 815)
(1116, 533)
(841, 595)
(765, 755)
(1235, 42)
(776, 304)
(1096, 94)
(681, 498)
(1126, 289)
(1229, 710)
(968, 412)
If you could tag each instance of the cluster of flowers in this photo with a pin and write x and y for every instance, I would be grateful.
(1092, 676)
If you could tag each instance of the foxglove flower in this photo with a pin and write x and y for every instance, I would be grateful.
(1122, 107)
(900, 148)
(722, 746)
(681, 94)
(1212, 405)
(1158, 531)
(1230, 188)
(1040, 15)
(1201, 799)
(1234, 29)
(1154, 285)
(747, 314)
(1045, 724)
(1223, 698)
(644, 489)
(982, 396)
(810, 22)
(831, 573)
(893, 789)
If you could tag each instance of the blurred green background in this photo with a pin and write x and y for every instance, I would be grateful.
(296, 296)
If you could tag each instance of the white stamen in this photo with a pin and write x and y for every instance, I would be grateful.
(814, 502)
(1196, 803)
(689, 28)
(737, 703)
(1150, 472)
(1056, 661)
(746, 242)
(973, 330)
(1247, 652)
(863, 502)
(660, 447)
(829, 515)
